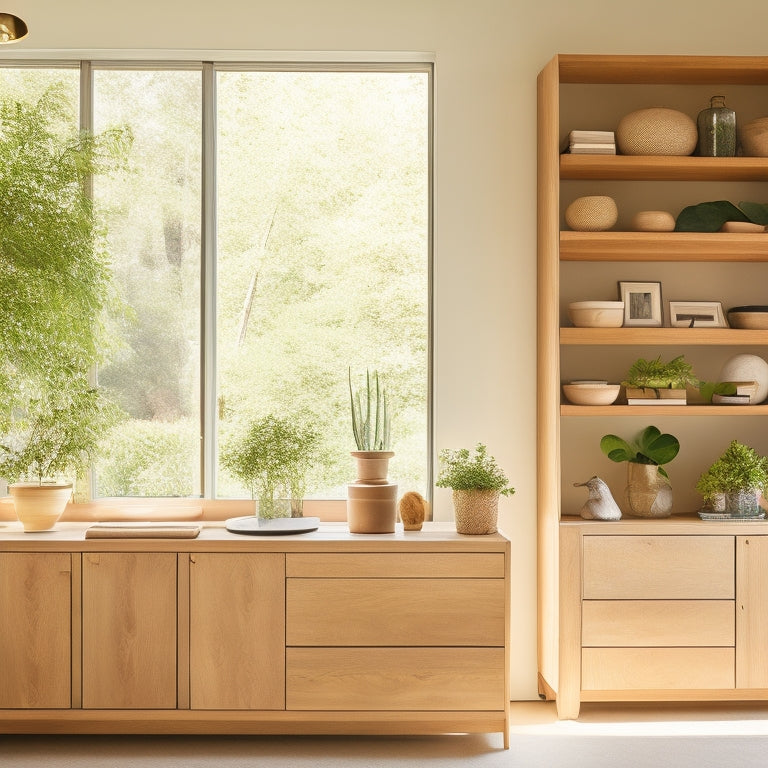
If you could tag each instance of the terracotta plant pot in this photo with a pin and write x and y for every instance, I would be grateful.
(372, 466)
(39, 507)
(476, 512)
(371, 508)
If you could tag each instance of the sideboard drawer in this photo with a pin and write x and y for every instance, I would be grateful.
(659, 567)
(407, 612)
(612, 669)
(638, 623)
(395, 679)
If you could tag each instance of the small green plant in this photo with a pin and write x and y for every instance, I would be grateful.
(371, 417)
(465, 471)
(677, 373)
(272, 459)
(651, 446)
(56, 436)
(739, 468)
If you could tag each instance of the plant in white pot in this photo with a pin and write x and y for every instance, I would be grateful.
(55, 277)
(734, 482)
(371, 499)
(272, 458)
(477, 482)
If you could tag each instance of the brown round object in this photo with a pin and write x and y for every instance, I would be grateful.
(593, 213)
(412, 509)
(653, 221)
(754, 137)
(656, 131)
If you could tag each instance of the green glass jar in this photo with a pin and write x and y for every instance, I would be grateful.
(717, 130)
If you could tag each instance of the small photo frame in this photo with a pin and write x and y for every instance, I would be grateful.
(697, 314)
(642, 303)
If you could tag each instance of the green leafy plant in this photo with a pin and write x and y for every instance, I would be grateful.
(739, 468)
(371, 418)
(462, 470)
(710, 216)
(650, 446)
(56, 287)
(272, 459)
(676, 373)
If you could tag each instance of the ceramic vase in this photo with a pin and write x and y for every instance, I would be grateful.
(648, 492)
(39, 507)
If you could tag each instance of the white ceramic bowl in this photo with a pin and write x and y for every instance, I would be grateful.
(596, 314)
(591, 394)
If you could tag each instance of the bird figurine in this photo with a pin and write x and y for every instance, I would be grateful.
(600, 505)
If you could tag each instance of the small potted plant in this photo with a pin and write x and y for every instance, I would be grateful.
(649, 493)
(46, 446)
(477, 482)
(656, 380)
(371, 422)
(734, 482)
(272, 459)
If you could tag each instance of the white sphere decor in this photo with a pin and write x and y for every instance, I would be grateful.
(748, 368)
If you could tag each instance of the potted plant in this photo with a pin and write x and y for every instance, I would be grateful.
(371, 421)
(649, 493)
(734, 482)
(55, 279)
(272, 458)
(655, 380)
(477, 482)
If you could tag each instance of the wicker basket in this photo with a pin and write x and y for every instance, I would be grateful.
(477, 512)
(656, 131)
(594, 213)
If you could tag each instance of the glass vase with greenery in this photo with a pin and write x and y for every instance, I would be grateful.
(272, 458)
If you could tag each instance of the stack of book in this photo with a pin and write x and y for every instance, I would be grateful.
(592, 143)
(745, 391)
(652, 396)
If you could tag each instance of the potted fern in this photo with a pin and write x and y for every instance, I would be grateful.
(734, 482)
(55, 278)
(477, 482)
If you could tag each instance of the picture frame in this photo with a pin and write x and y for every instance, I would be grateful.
(697, 314)
(642, 303)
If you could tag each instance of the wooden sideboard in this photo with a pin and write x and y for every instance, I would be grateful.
(323, 633)
(665, 610)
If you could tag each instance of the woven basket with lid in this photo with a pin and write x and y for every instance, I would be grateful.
(656, 131)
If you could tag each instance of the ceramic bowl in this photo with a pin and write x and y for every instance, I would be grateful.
(591, 394)
(596, 314)
(750, 317)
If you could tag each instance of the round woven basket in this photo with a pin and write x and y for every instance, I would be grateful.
(593, 213)
(754, 137)
(477, 512)
(656, 131)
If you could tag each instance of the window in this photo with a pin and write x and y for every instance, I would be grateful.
(272, 232)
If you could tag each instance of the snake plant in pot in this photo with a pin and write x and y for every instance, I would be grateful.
(371, 499)
(55, 277)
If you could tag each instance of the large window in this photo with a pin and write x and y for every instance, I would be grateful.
(271, 233)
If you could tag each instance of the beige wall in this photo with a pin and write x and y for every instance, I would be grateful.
(488, 53)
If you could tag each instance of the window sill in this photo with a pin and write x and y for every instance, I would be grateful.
(167, 510)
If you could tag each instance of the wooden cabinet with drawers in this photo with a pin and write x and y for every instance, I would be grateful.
(320, 633)
(664, 610)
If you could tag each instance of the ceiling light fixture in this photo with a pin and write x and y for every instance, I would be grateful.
(12, 28)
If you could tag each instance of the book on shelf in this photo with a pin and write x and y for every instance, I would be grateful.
(592, 149)
(653, 396)
(731, 399)
(592, 137)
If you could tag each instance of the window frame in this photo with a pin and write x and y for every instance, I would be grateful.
(209, 63)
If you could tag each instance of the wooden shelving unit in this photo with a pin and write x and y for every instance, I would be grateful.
(620, 252)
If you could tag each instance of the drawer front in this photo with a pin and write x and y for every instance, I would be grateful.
(420, 565)
(659, 623)
(609, 669)
(407, 612)
(395, 679)
(658, 567)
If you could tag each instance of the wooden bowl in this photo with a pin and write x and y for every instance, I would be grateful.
(754, 137)
(591, 394)
(596, 314)
(751, 317)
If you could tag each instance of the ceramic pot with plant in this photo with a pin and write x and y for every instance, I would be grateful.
(648, 492)
(371, 499)
(47, 445)
(477, 482)
(735, 481)
(272, 458)
(655, 379)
